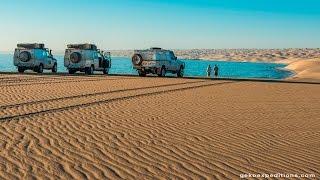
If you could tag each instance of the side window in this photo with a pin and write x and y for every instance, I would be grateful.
(45, 54)
(95, 55)
(173, 57)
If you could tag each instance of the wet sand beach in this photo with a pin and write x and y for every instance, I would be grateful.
(114, 127)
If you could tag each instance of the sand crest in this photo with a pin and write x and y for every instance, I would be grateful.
(306, 69)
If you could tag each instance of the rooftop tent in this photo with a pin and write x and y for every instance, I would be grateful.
(31, 46)
(83, 46)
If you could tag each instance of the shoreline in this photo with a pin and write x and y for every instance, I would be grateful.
(301, 68)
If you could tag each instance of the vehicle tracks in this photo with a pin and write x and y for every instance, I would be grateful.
(34, 108)
(59, 82)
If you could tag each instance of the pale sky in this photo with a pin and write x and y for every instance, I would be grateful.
(172, 24)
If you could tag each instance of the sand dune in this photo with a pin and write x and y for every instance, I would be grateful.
(253, 55)
(306, 69)
(144, 128)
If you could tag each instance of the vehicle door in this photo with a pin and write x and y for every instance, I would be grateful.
(175, 62)
(96, 60)
(50, 59)
(47, 60)
(101, 61)
(40, 57)
(107, 57)
(171, 59)
(166, 60)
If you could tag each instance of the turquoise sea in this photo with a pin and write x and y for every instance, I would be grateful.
(122, 65)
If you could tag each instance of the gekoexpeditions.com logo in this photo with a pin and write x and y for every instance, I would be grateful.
(277, 175)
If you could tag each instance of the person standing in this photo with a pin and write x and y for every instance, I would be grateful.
(209, 69)
(216, 71)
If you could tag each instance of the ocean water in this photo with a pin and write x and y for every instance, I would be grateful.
(122, 65)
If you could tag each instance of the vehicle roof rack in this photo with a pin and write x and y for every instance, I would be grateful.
(83, 46)
(31, 45)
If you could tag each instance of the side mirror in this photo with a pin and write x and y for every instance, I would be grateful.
(50, 53)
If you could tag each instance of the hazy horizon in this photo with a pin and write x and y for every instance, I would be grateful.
(176, 24)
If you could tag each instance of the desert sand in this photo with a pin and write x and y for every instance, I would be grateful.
(144, 128)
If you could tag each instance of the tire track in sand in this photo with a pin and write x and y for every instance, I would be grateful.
(72, 104)
(12, 80)
(58, 82)
(90, 94)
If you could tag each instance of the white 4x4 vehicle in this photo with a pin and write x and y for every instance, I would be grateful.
(157, 61)
(34, 57)
(86, 58)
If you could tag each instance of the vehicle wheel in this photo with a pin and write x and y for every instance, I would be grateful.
(55, 68)
(40, 68)
(75, 57)
(137, 59)
(180, 72)
(21, 69)
(25, 56)
(72, 71)
(106, 71)
(142, 74)
(162, 72)
(89, 70)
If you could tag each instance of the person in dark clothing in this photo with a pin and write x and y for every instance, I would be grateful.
(216, 71)
(209, 69)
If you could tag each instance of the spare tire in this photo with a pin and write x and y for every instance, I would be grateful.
(137, 59)
(25, 56)
(75, 57)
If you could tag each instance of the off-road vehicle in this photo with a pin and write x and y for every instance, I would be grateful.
(34, 57)
(86, 58)
(157, 61)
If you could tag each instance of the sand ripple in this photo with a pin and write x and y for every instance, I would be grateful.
(145, 128)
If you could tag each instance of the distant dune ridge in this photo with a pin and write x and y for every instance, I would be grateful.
(265, 55)
(97, 127)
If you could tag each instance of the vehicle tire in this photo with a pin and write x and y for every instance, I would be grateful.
(142, 74)
(55, 68)
(75, 57)
(137, 59)
(40, 68)
(21, 69)
(25, 56)
(72, 71)
(162, 72)
(180, 72)
(106, 71)
(89, 70)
